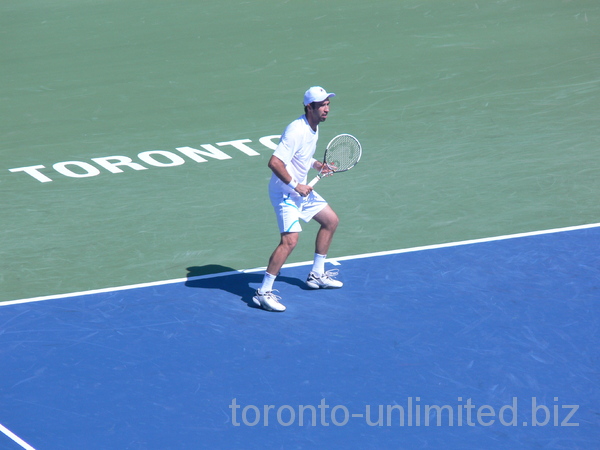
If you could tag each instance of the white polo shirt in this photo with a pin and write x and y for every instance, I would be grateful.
(296, 149)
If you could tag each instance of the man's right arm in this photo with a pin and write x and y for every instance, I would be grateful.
(278, 168)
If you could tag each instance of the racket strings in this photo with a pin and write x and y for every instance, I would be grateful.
(343, 153)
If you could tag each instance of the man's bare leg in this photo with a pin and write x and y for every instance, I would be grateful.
(329, 221)
(318, 278)
(265, 297)
(282, 252)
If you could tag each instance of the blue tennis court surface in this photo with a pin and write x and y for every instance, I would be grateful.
(497, 340)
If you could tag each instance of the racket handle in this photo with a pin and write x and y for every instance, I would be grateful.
(314, 181)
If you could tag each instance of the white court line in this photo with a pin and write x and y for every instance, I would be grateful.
(334, 261)
(472, 241)
(15, 438)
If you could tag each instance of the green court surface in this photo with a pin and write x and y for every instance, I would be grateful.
(477, 118)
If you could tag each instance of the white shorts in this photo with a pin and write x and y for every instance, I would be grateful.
(290, 208)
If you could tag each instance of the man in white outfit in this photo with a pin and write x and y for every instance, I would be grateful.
(293, 199)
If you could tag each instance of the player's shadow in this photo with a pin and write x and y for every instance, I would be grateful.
(236, 283)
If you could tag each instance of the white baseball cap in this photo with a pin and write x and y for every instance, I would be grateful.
(316, 94)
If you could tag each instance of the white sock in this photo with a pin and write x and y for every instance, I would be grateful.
(267, 284)
(319, 264)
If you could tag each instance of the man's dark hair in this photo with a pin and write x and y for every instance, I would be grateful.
(306, 106)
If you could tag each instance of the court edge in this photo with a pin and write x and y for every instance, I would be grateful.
(15, 438)
(334, 261)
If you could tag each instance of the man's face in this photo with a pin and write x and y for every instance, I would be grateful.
(319, 110)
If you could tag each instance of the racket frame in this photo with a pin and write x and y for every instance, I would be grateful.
(321, 175)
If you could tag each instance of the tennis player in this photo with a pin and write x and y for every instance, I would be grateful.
(293, 199)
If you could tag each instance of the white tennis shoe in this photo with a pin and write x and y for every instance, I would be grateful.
(325, 281)
(268, 301)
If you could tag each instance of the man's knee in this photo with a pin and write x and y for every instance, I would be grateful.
(335, 220)
(289, 240)
(331, 220)
(328, 219)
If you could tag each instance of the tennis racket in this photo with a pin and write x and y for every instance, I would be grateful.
(342, 154)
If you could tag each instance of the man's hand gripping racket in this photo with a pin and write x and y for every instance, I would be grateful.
(342, 153)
